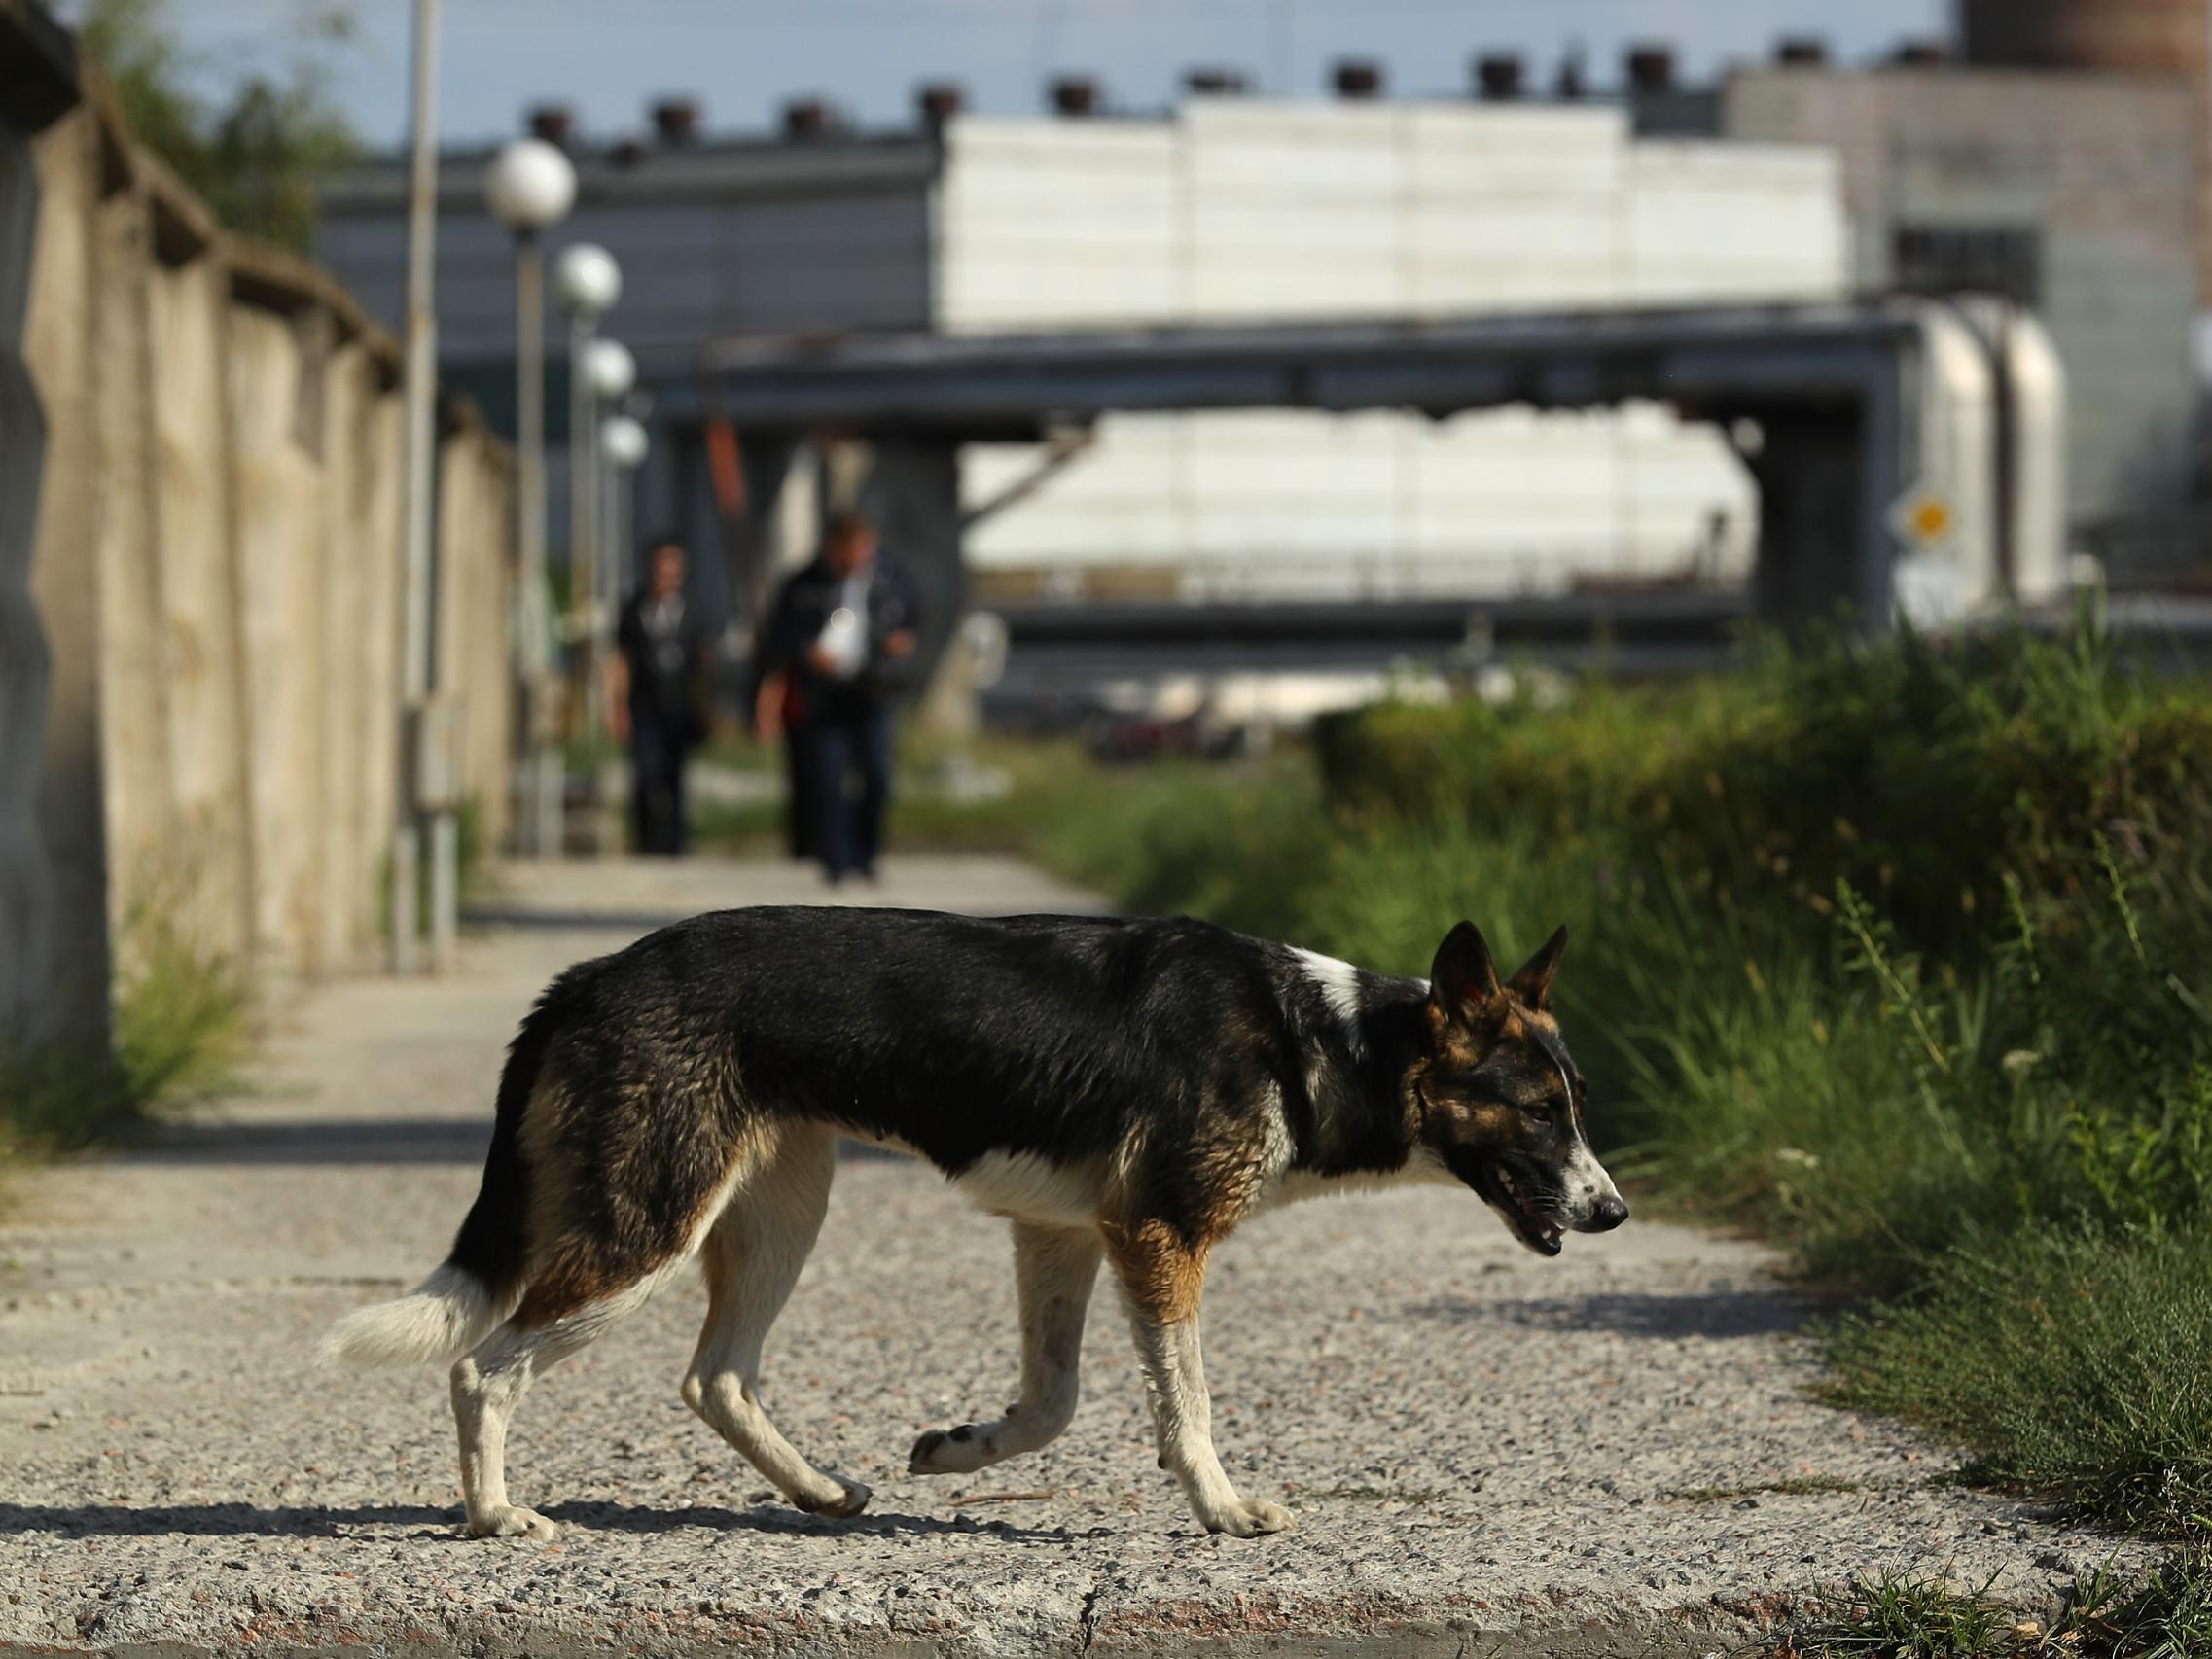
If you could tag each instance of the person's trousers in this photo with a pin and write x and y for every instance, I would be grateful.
(799, 793)
(657, 784)
(848, 765)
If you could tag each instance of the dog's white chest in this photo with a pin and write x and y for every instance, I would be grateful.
(1031, 1188)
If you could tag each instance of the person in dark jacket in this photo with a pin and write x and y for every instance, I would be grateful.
(838, 651)
(655, 697)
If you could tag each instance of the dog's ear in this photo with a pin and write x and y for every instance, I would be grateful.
(1462, 981)
(1532, 983)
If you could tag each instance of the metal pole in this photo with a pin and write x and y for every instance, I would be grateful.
(610, 525)
(611, 581)
(537, 816)
(420, 388)
(584, 520)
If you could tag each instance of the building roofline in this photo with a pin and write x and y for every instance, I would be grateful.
(709, 169)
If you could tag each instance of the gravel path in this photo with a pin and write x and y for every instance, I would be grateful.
(1611, 1453)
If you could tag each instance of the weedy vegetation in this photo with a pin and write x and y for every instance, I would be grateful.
(2165, 1614)
(178, 1033)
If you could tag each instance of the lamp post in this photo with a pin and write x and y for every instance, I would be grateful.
(610, 372)
(420, 386)
(622, 440)
(588, 282)
(530, 186)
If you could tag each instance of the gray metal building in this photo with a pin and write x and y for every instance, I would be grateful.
(763, 237)
(2055, 152)
(2075, 193)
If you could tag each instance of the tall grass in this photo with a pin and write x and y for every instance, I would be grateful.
(178, 1031)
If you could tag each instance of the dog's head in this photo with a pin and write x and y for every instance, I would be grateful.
(1499, 1099)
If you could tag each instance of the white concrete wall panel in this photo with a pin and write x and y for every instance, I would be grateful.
(200, 638)
(1244, 210)
(279, 487)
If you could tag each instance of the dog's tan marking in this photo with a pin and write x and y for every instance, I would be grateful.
(1163, 1276)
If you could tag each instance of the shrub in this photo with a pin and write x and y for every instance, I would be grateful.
(2074, 1363)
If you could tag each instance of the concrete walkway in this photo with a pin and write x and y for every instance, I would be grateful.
(1611, 1453)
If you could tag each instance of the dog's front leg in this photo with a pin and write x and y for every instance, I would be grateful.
(1161, 1280)
(1054, 1268)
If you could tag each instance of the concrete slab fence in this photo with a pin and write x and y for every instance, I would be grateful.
(201, 476)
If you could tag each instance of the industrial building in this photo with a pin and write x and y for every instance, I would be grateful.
(1224, 209)
(2056, 156)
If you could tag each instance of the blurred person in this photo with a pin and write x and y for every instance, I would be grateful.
(655, 696)
(839, 652)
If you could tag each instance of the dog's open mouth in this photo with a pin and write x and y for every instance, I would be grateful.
(1529, 1222)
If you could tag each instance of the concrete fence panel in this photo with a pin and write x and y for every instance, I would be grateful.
(278, 483)
(144, 821)
(200, 479)
(202, 652)
(27, 911)
(61, 345)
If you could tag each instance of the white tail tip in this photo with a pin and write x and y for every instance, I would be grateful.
(438, 1320)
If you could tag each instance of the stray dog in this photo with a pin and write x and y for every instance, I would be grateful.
(1119, 1089)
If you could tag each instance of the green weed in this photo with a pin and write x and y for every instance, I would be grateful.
(2165, 1613)
(2074, 1363)
(178, 1031)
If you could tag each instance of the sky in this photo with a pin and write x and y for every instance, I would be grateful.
(741, 58)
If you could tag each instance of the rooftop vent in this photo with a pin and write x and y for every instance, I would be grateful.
(1801, 51)
(1216, 82)
(1498, 75)
(676, 121)
(939, 101)
(1651, 68)
(808, 119)
(1074, 95)
(555, 123)
(1357, 78)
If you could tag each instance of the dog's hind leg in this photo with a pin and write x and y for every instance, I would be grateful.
(1054, 1269)
(490, 1384)
(752, 1258)
(1161, 1280)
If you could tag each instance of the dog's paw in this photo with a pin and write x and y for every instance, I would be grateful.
(946, 1451)
(850, 1499)
(513, 1522)
(1249, 1518)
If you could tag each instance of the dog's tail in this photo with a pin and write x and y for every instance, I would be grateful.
(440, 1319)
(479, 1283)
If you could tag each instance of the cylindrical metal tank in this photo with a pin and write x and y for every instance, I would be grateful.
(2172, 37)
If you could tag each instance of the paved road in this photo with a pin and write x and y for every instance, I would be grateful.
(1486, 1453)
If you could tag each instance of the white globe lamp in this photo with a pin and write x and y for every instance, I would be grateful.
(610, 368)
(587, 280)
(623, 441)
(530, 186)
